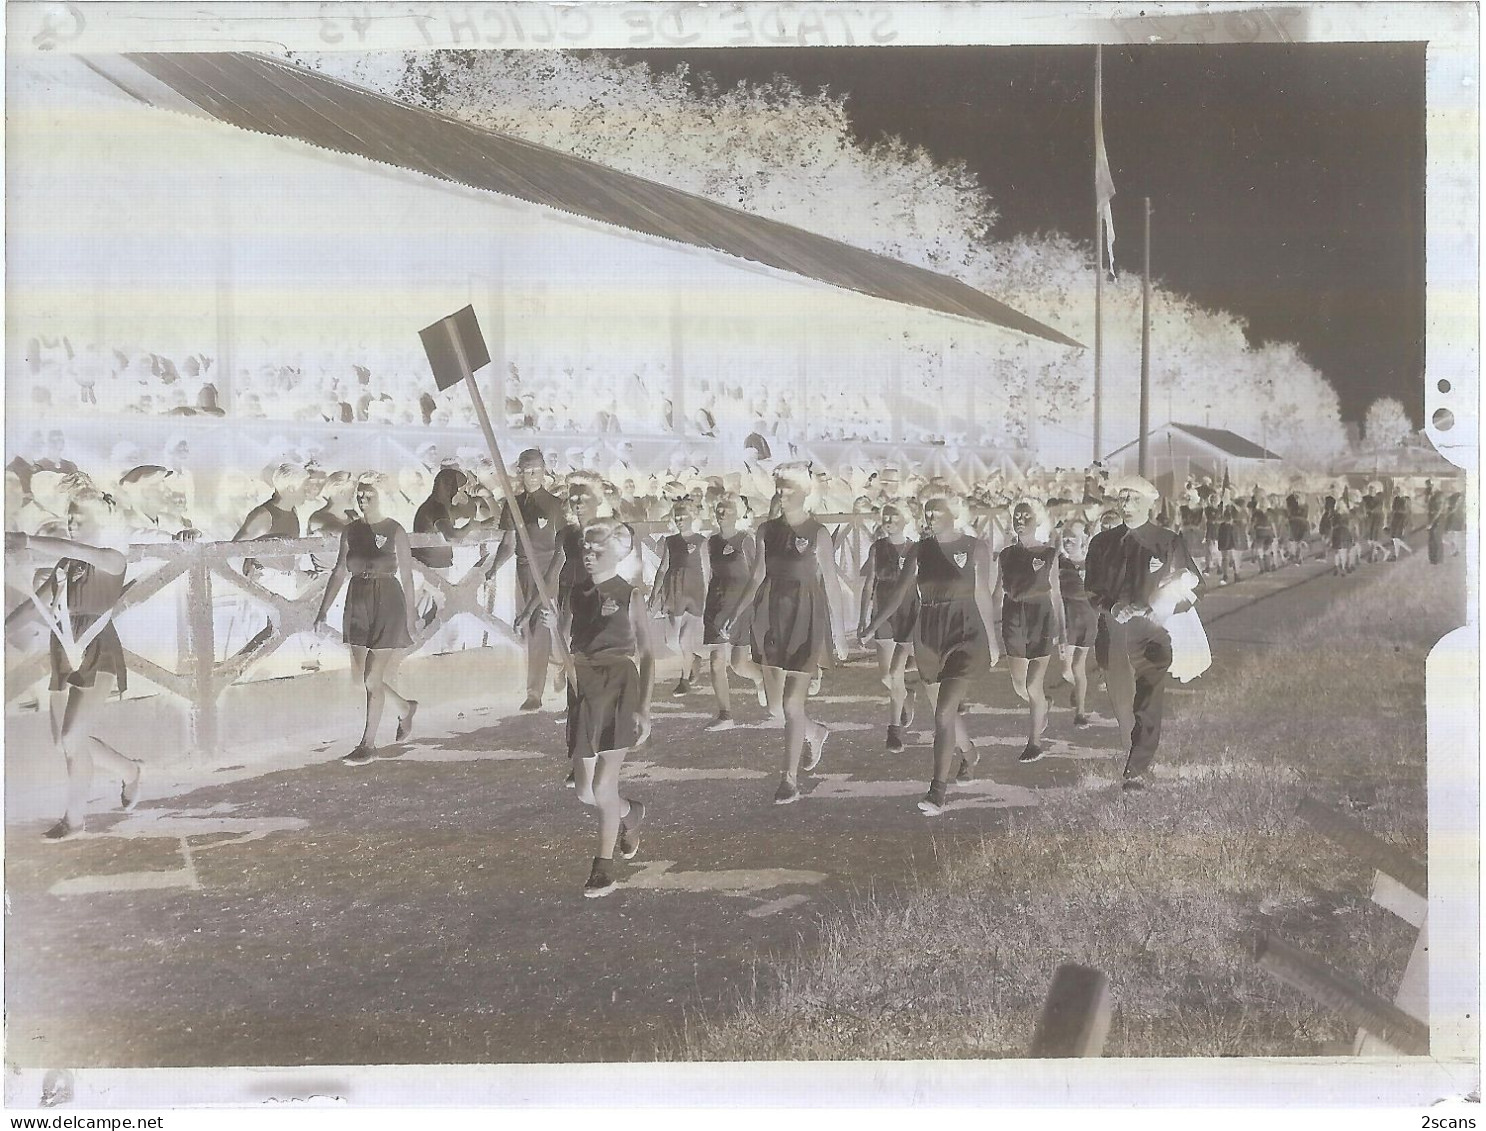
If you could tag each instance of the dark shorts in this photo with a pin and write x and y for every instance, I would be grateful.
(376, 614)
(1028, 628)
(103, 654)
(1299, 528)
(603, 706)
(1082, 622)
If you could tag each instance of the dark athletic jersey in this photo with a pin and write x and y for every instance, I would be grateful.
(601, 619)
(1026, 572)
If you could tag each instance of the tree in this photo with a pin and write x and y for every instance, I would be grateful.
(1387, 423)
(778, 151)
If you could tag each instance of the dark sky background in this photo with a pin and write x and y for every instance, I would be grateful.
(1286, 181)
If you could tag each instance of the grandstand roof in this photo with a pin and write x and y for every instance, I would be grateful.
(1227, 443)
(270, 96)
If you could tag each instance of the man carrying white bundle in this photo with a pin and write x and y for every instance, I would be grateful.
(1143, 580)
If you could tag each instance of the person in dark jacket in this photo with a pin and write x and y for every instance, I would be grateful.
(1131, 569)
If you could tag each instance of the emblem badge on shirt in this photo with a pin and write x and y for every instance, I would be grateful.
(961, 558)
(609, 607)
(1037, 562)
(1156, 564)
(541, 520)
(381, 541)
(691, 547)
(802, 544)
(726, 550)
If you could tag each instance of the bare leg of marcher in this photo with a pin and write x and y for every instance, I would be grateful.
(78, 708)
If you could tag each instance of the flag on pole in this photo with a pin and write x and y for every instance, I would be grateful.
(1104, 188)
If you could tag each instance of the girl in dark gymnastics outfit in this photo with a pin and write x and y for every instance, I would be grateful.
(952, 642)
(1298, 516)
(1032, 628)
(1398, 527)
(1080, 622)
(378, 616)
(608, 629)
(882, 570)
(76, 601)
(680, 590)
(730, 554)
(792, 631)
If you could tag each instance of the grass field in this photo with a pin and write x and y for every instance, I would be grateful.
(1162, 891)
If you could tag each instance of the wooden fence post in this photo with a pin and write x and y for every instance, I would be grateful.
(201, 657)
(1075, 1016)
(1341, 995)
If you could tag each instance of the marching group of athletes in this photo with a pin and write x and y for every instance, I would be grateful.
(941, 585)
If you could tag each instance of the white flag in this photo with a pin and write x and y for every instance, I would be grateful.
(1103, 182)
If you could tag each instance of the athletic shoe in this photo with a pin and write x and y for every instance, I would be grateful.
(1032, 753)
(894, 739)
(963, 774)
(572, 779)
(1134, 783)
(405, 724)
(361, 756)
(600, 880)
(932, 803)
(129, 792)
(1081, 721)
(683, 687)
(787, 793)
(815, 683)
(813, 751)
(724, 721)
(532, 703)
(62, 830)
(909, 710)
(763, 696)
(629, 836)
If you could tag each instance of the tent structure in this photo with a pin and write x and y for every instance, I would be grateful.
(1178, 452)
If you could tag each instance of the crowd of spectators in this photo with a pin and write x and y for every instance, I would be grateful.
(366, 385)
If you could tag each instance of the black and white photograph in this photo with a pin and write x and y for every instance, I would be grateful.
(801, 555)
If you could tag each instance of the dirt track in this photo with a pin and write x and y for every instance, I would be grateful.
(427, 908)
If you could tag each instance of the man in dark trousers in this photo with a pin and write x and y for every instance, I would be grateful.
(1130, 569)
(542, 514)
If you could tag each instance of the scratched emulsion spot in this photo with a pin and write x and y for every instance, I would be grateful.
(656, 875)
(199, 822)
(126, 881)
(444, 754)
(973, 794)
(1202, 771)
(649, 771)
(1051, 747)
(775, 906)
(849, 699)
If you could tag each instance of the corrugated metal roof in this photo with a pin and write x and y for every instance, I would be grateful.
(270, 96)
(1224, 441)
(1230, 442)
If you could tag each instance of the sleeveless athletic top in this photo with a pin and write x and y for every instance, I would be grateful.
(946, 570)
(1070, 582)
(364, 557)
(1026, 572)
(887, 562)
(283, 522)
(602, 628)
(89, 591)
(789, 554)
(729, 564)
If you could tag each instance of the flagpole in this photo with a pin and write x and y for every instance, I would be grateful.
(517, 521)
(1098, 265)
(1145, 345)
